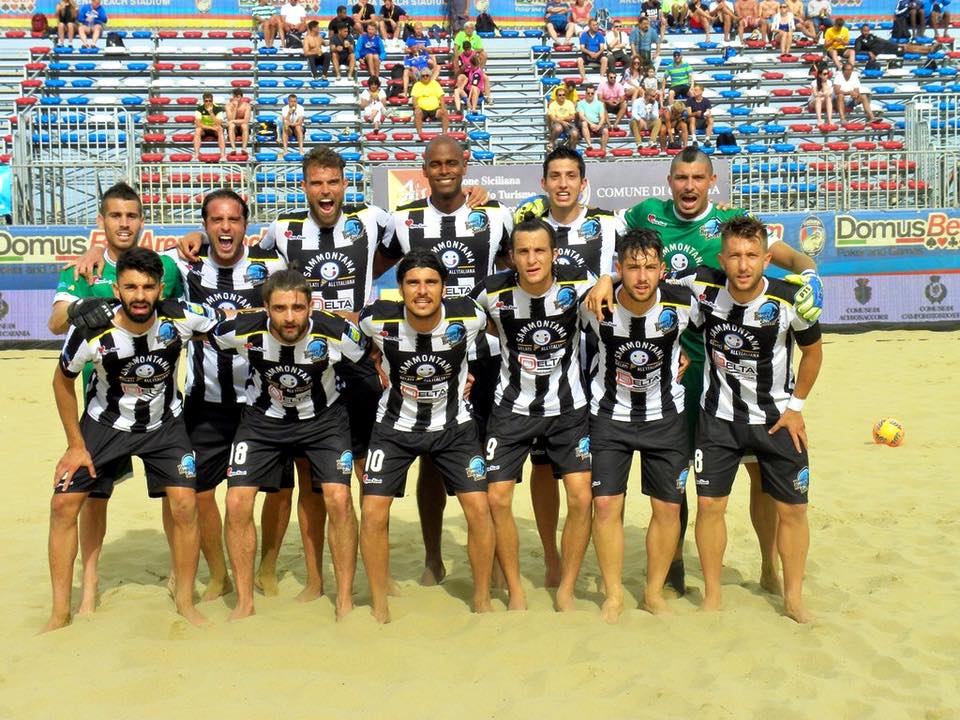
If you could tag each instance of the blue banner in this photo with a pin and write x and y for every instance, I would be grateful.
(6, 190)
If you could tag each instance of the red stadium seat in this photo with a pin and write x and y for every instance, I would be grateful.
(821, 166)
(234, 177)
(15, 34)
(427, 136)
(209, 157)
(891, 145)
(770, 75)
(811, 147)
(916, 184)
(400, 119)
(953, 54)
(182, 137)
(908, 165)
(190, 66)
(376, 136)
(853, 166)
(163, 66)
(180, 157)
(838, 146)
(562, 48)
(167, 34)
(241, 66)
(804, 92)
(178, 198)
(181, 177)
(649, 151)
(405, 155)
(242, 34)
(854, 126)
(889, 185)
(151, 157)
(791, 110)
(192, 34)
(881, 125)
(572, 81)
(21, 101)
(184, 119)
(5, 159)
(150, 199)
(217, 34)
(673, 151)
(404, 136)
(756, 45)
(31, 83)
(241, 83)
(159, 100)
(241, 50)
(812, 58)
(458, 135)
(789, 59)
(833, 186)
(781, 92)
(396, 101)
(861, 185)
(378, 156)
(447, 82)
(39, 50)
(157, 119)
(157, 137)
(877, 164)
(828, 127)
(236, 157)
(566, 63)
(147, 178)
(594, 153)
(36, 66)
(623, 152)
(618, 133)
(801, 127)
(456, 117)
(186, 100)
(865, 145)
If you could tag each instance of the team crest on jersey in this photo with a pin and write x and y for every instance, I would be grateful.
(654, 220)
(167, 332)
(455, 333)
(566, 297)
(353, 229)
(667, 320)
(590, 230)
(317, 350)
(477, 221)
(679, 262)
(802, 481)
(345, 462)
(710, 229)
(426, 370)
(476, 468)
(682, 479)
(583, 448)
(768, 313)
(734, 340)
(255, 274)
(188, 466)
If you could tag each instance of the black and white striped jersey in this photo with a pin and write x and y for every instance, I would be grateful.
(337, 261)
(214, 375)
(427, 371)
(293, 382)
(748, 377)
(467, 241)
(634, 374)
(134, 385)
(540, 372)
(590, 241)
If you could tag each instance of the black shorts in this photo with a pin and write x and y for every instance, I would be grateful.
(681, 91)
(263, 444)
(360, 392)
(165, 452)
(784, 472)
(455, 451)
(485, 373)
(209, 134)
(588, 60)
(664, 462)
(212, 428)
(564, 438)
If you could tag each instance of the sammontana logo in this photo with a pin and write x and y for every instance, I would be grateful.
(937, 231)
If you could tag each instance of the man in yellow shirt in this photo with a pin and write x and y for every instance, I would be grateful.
(836, 43)
(562, 118)
(426, 96)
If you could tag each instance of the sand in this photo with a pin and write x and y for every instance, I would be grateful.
(882, 579)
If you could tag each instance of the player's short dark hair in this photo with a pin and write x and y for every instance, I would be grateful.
(417, 258)
(638, 241)
(744, 226)
(531, 223)
(285, 280)
(691, 155)
(341, 8)
(120, 191)
(564, 153)
(466, 46)
(224, 194)
(142, 260)
(324, 158)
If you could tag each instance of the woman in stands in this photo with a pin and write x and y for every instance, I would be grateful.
(822, 96)
(632, 79)
(66, 21)
(800, 20)
(783, 27)
(580, 13)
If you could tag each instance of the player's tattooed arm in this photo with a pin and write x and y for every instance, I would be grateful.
(811, 359)
(76, 455)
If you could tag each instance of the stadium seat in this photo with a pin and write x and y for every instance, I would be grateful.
(891, 144)
(622, 152)
(838, 146)
(791, 110)
(350, 156)
(268, 66)
(378, 156)
(405, 155)
(649, 151)
(376, 136)
(748, 129)
(729, 149)
(854, 126)
(265, 156)
(828, 127)
(151, 157)
(784, 147)
(811, 147)
(916, 184)
(321, 136)
(865, 145)
(781, 92)
(594, 153)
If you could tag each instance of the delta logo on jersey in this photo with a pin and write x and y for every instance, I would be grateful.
(667, 321)
(768, 313)
(255, 274)
(317, 350)
(455, 334)
(566, 297)
(353, 229)
(476, 469)
(477, 221)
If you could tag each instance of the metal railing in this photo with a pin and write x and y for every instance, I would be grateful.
(933, 121)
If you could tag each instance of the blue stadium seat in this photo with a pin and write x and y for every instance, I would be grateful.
(353, 176)
(804, 187)
(934, 88)
(774, 129)
(755, 148)
(293, 66)
(747, 129)
(350, 156)
(267, 117)
(266, 177)
(81, 83)
(298, 198)
(947, 72)
(778, 187)
(729, 149)
(541, 48)
(51, 100)
(265, 156)
(320, 100)
(347, 136)
(267, 83)
(41, 137)
(486, 34)
(883, 89)
(901, 125)
(142, 34)
(795, 167)
(751, 189)
(740, 111)
(138, 66)
(532, 33)
(721, 128)
(510, 33)
(895, 107)
(62, 49)
(665, 62)
(478, 135)
(266, 197)
(715, 61)
(922, 72)
(55, 83)
(266, 100)
(292, 83)
(545, 64)
(89, 51)
(550, 81)
(707, 45)
(873, 73)
(58, 66)
(722, 77)
(69, 137)
(320, 136)
(319, 83)
(321, 118)
(131, 100)
(268, 51)
(294, 177)
(475, 117)
(268, 66)
(86, 66)
(784, 147)
(78, 100)
(730, 93)
(483, 155)
(354, 197)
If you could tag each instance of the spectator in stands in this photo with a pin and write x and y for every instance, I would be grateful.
(208, 124)
(613, 97)
(645, 114)
(748, 12)
(293, 15)
(266, 18)
(908, 19)
(700, 115)
(592, 50)
(472, 84)
(632, 79)
(651, 84)
(392, 18)
(819, 13)
(653, 11)
(872, 45)
(677, 79)
(238, 120)
(91, 19)
(580, 12)
(835, 42)
(570, 88)
(318, 59)
(427, 100)
(66, 21)
(419, 36)
(700, 18)
(342, 53)
(822, 96)
(363, 12)
(783, 29)
(373, 104)
(371, 50)
(938, 18)
(291, 122)
(642, 40)
(723, 13)
(801, 21)
(849, 94)
(417, 60)
(467, 35)
(618, 45)
(562, 120)
(340, 20)
(593, 119)
(675, 128)
(676, 13)
(557, 15)
(769, 9)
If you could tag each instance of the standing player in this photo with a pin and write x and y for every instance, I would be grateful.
(636, 404)
(469, 241)
(424, 342)
(227, 276)
(121, 219)
(292, 410)
(689, 224)
(752, 402)
(539, 396)
(133, 408)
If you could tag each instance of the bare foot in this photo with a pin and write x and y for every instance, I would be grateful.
(565, 602)
(654, 603)
(344, 608)
(770, 581)
(172, 585)
(56, 622)
(551, 573)
(266, 582)
(381, 614)
(193, 616)
(241, 611)
(216, 588)
(611, 609)
(517, 602)
(797, 612)
(309, 593)
(482, 605)
(711, 603)
(393, 589)
(433, 573)
(88, 603)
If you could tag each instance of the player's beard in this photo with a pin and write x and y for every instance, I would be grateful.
(140, 315)
(632, 293)
(292, 333)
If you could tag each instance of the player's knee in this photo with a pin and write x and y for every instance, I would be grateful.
(64, 509)
(607, 507)
(791, 513)
(499, 499)
(183, 506)
(711, 506)
(239, 505)
(338, 502)
(664, 511)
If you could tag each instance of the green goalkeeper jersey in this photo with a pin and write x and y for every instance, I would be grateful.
(686, 244)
